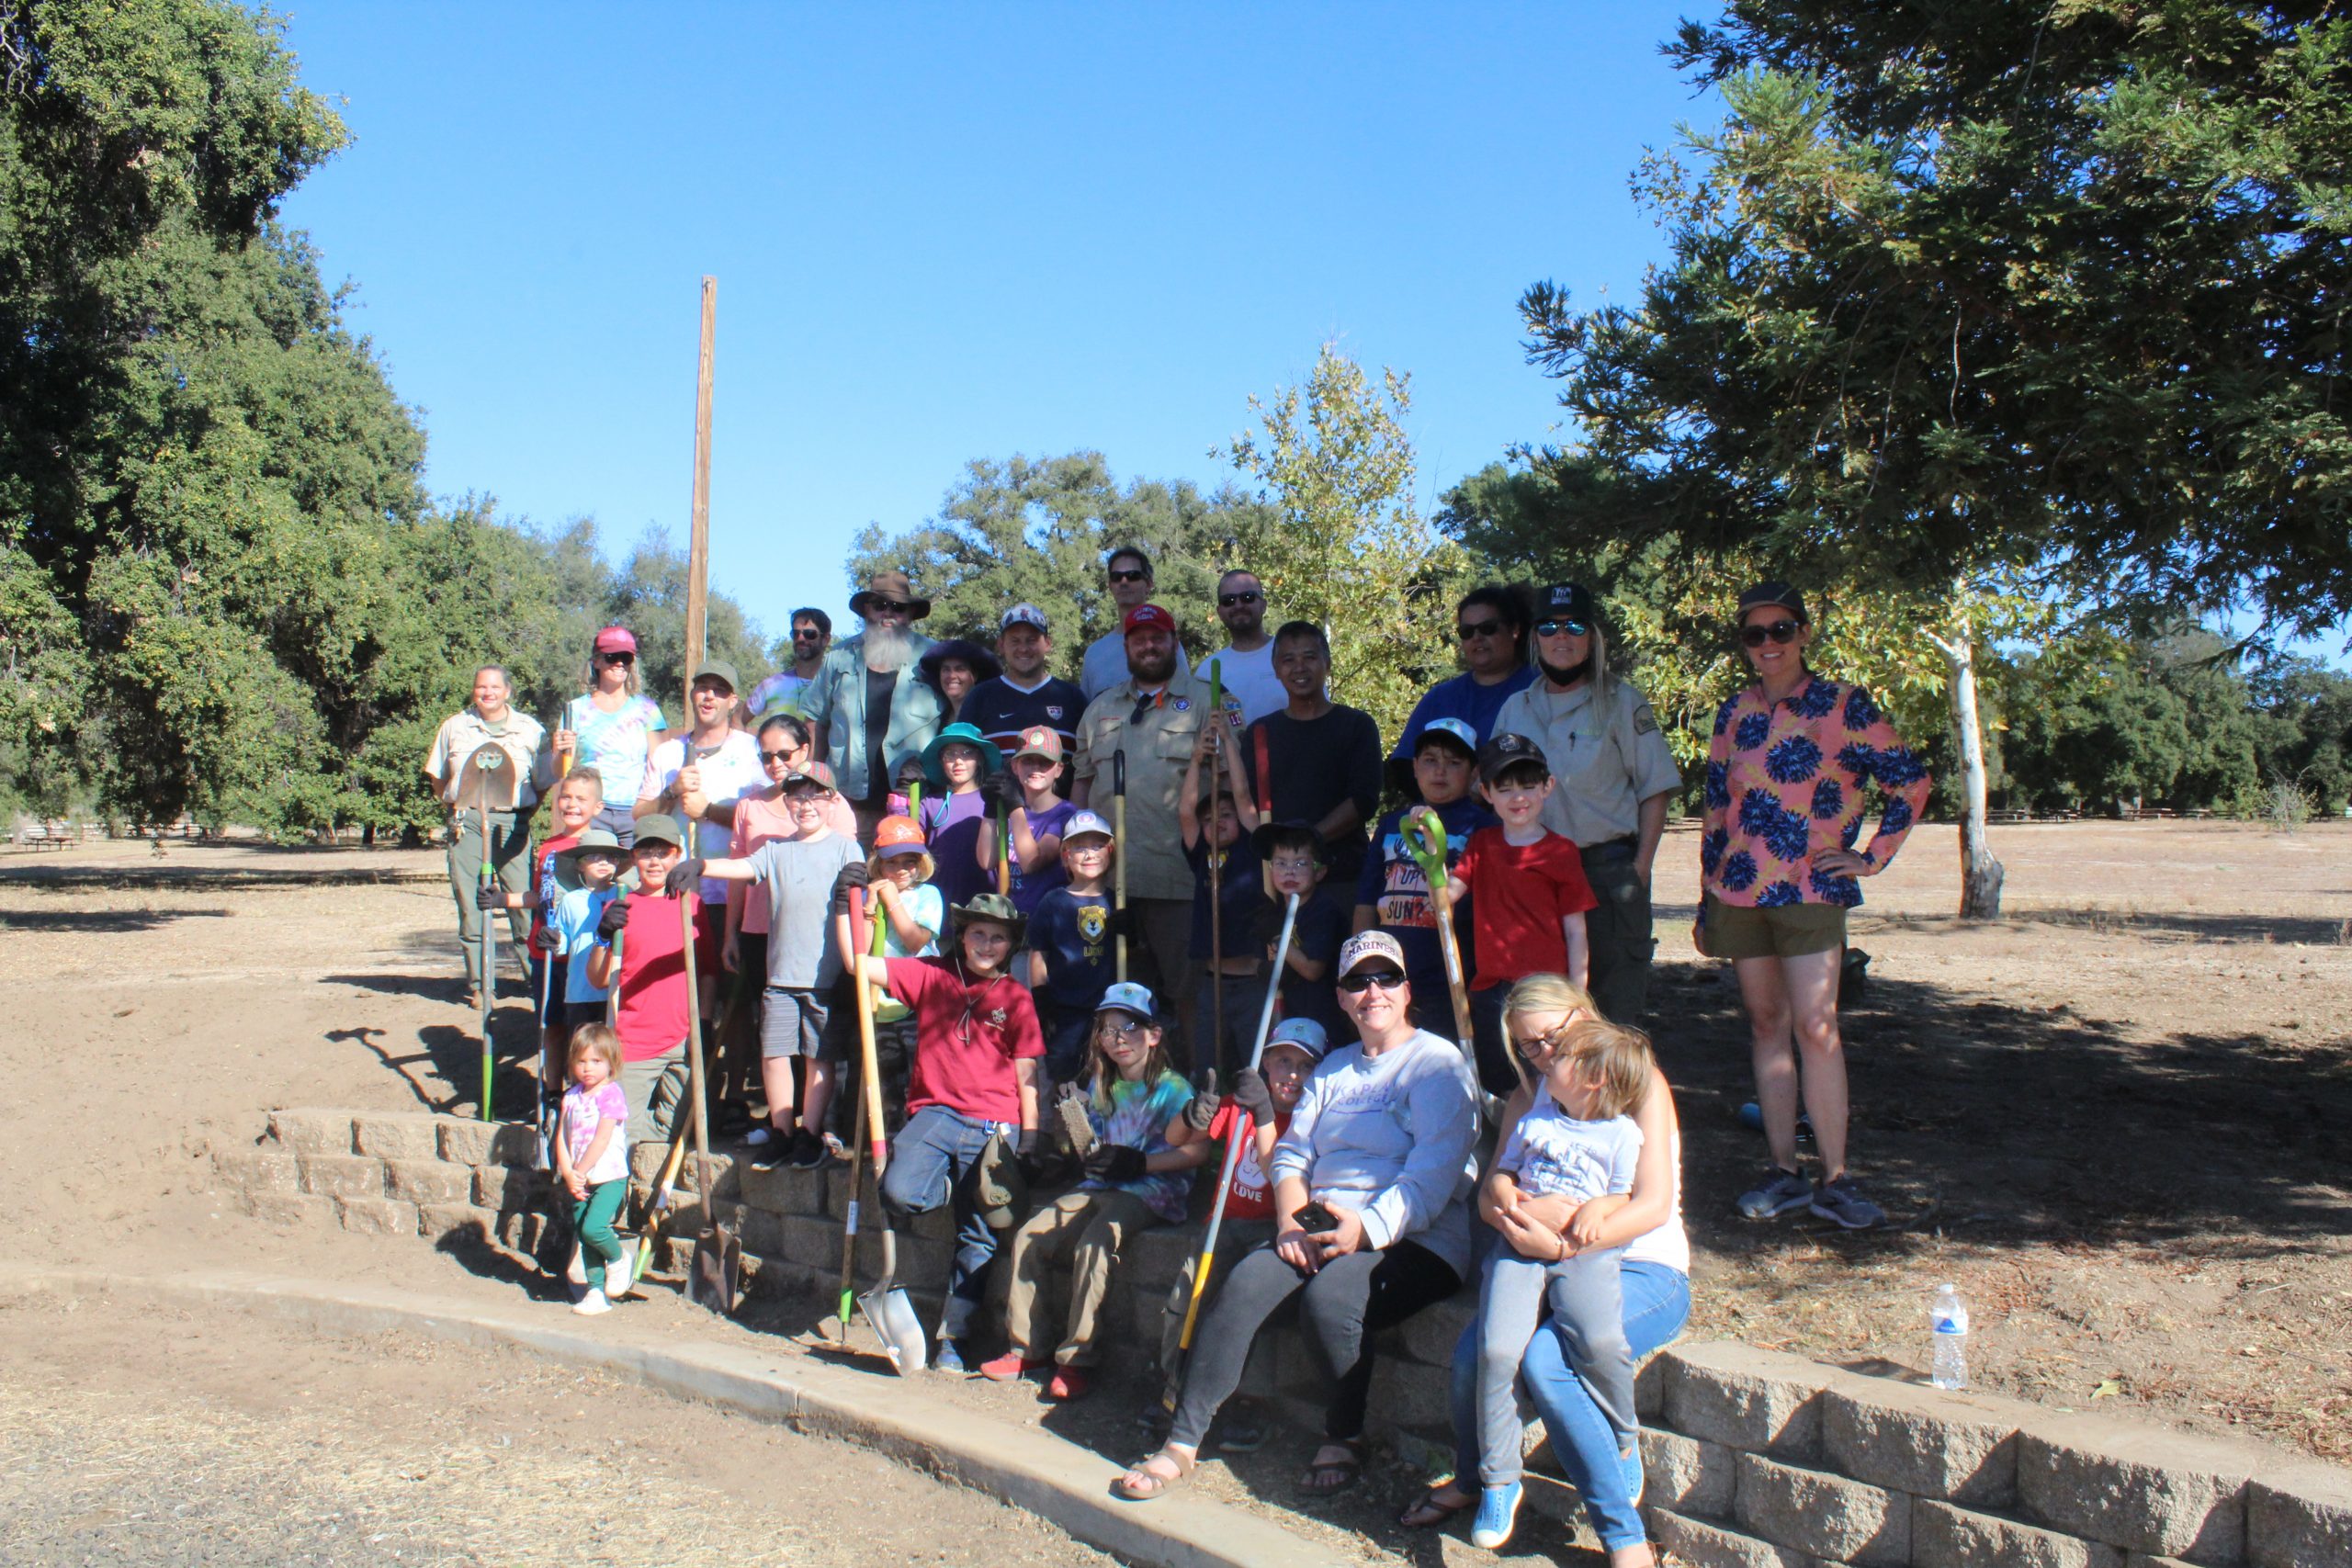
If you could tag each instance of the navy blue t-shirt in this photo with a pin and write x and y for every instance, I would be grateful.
(1081, 960)
(1324, 918)
(1392, 884)
(1001, 711)
(1462, 698)
(1241, 899)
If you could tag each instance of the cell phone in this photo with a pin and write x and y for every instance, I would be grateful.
(1316, 1220)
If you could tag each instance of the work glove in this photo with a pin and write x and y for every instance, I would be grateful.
(1116, 1163)
(1202, 1111)
(852, 876)
(1250, 1093)
(1116, 924)
(1000, 793)
(684, 877)
(490, 896)
(613, 921)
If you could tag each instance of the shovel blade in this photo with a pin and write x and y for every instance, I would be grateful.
(717, 1265)
(893, 1315)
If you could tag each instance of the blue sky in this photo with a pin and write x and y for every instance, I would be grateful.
(948, 232)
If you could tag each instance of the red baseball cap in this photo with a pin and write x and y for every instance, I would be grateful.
(1144, 616)
(616, 639)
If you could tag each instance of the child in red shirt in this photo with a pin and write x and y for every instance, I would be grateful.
(1260, 1103)
(1530, 896)
(650, 976)
(975, 1079)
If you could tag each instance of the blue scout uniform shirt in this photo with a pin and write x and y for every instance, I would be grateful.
(1242, 897)
(1074, 933)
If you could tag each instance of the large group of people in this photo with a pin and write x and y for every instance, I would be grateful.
(1069, 902)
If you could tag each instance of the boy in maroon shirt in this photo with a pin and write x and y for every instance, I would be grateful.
(975, 1078)
(651, 977)
(1531, 896)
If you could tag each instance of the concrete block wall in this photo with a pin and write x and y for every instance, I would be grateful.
(1753, 1459)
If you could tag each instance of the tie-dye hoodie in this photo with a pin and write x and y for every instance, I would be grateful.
(1787, 778)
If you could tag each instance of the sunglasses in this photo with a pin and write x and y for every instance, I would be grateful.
(772, 758)
(1130, 1029)
(1228, 601)
(1778, 631)
(1363, 980)
(895, 606)
(1561, 628)
(1129, 575)
(619, 657)
(811, 633)
(1484, 629)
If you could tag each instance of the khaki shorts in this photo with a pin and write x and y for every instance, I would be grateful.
(1789, 931)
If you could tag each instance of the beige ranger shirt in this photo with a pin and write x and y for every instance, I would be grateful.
(1158, 745)
(463, 732)
(1606, 758)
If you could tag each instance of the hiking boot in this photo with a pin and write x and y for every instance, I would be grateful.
(1010, 1367)
(1783, 1191)
(1843, 1203)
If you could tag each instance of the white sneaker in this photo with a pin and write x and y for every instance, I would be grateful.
(620, 1279)
(593, 1303)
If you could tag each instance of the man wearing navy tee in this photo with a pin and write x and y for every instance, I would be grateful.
(1026, 696)
(1491, 624)
(1316, 761)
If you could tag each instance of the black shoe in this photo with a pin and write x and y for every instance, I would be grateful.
(807, 1153)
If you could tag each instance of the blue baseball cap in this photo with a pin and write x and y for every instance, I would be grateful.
(1128, 997)
(1301, 1035)
(1452, 730)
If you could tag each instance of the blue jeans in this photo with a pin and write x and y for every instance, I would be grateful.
(1658, 1304)
(931, 1162)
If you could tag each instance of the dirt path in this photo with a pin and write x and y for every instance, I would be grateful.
(2116, 1118)
(150, 1437)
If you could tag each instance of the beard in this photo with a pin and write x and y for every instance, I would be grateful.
(887, 647)
(1151, 669)
(1565, 675)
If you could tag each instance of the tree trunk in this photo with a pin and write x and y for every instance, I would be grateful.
(1980, 873)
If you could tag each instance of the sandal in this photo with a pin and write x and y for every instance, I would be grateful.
(1141, 1485)
(1329, 1477)
(1429, 1513)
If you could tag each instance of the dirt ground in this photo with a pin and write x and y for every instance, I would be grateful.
(2115, 1118)
(144, 1436)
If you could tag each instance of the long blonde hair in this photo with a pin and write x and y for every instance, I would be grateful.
(633, 684)
(1547, 993)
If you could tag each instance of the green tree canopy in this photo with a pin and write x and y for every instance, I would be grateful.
(2058, 286)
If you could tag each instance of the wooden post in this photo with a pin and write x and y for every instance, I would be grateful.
(698, 535)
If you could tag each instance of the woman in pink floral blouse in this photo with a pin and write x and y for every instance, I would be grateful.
(1791, 759)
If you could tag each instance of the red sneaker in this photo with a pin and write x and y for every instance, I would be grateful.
(1010, 1366)
(1068, 1382)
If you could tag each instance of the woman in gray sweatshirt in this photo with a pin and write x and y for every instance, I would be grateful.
(1371, 1189)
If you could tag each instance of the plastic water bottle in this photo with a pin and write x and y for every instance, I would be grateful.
(1949, 1318)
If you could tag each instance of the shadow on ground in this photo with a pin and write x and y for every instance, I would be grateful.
(99, 922)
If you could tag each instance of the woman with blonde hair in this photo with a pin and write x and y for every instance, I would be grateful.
(610, 728)
(1655, 1271)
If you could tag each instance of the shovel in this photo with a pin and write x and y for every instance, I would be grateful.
(1172, 1392)
(1425, 841)
(489, 784)
(718, 1252)
(888, 1307)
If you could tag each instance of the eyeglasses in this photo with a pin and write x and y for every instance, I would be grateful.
(1778, 631)
(619, 657)
(1563, 627)
(1363, 980)
(1127, 574)
(1293, 865)
(772, 758)
(1484, 629)
(1228, 601)
(895, 606)
(1129, 1029)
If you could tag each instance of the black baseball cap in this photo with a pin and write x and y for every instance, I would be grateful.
(1504, 749)
(1565, 600)
(1778, 595)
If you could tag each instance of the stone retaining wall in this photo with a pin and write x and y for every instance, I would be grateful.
(1754, 1460)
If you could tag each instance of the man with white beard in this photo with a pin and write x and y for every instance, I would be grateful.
(867, 712)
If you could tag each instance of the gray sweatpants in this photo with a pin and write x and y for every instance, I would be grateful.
(1587, 1300)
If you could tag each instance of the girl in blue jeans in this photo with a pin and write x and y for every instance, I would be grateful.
(1656, 1274)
